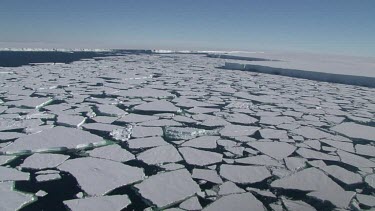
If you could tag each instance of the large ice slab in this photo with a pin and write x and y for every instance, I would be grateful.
(318, 184)
(111, 174)
(157, 106)
(176, 186)
(204, 142)
(238, 130)
(114, 202)
(112, 152)
(311, 133)
(10, 174)
(208, 175)
(297, 205)
(343, 175)
(32, 102)
(354, 130)
(160, 155)
(244, 174)
(135, 118)
(244, 201)
(43, 161)
(144, 92)
(277, 150)
(57, 137)
(110, 110)
(12, 200)
(355, 160)
(200, 157)
(146, 142)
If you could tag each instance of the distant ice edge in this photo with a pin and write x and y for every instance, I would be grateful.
(317, 76)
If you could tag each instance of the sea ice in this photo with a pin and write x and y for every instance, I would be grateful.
(13, 200)
(354, 130)
(112, 152)
(367, 200)
(355, 160)
(229, 187)
(238, 130)
(318, 184)
(31, 102)
(311, 133)
(42, 161)
(157, 107)
(114, 202)
(244, 174)
(146, 142)
(273, 134)
(183, 132)
(70, 120)
(57, 137)
(136, 118)
(160, 155)
(176, 186)
(243, 201)
(10, 174)
(204, 142)
(312, 154)
(47, 177)
(144, 92)
(191, 204)
(208, 175)
(200, 157)
(140, 132)
(110, 110)
(345, 176)
(297, 205)
(277, 150)
(107, 128)
(262, 160)
(111, 174)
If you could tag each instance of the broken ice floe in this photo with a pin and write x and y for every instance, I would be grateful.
(354, 130)
(112, 152)
(115, 202)
(11, 199)
(244, 174)
(293, 143)
(182, 187)
(11, 174)
(160, 155)
(111, 174)
(43, 161)
(241, 201)
(199, 157)
(318, 184)
(55, 138)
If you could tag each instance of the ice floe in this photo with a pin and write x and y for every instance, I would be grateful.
(242, 201)
(111, 174)
(43, 161)
(114, 202)
(181, 187)
(57, 137)
(244, 174)
(200, 157)
(160, 155)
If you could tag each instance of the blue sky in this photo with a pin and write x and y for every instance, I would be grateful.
(329, 26)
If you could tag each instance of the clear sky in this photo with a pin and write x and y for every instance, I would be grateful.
(328, 26)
